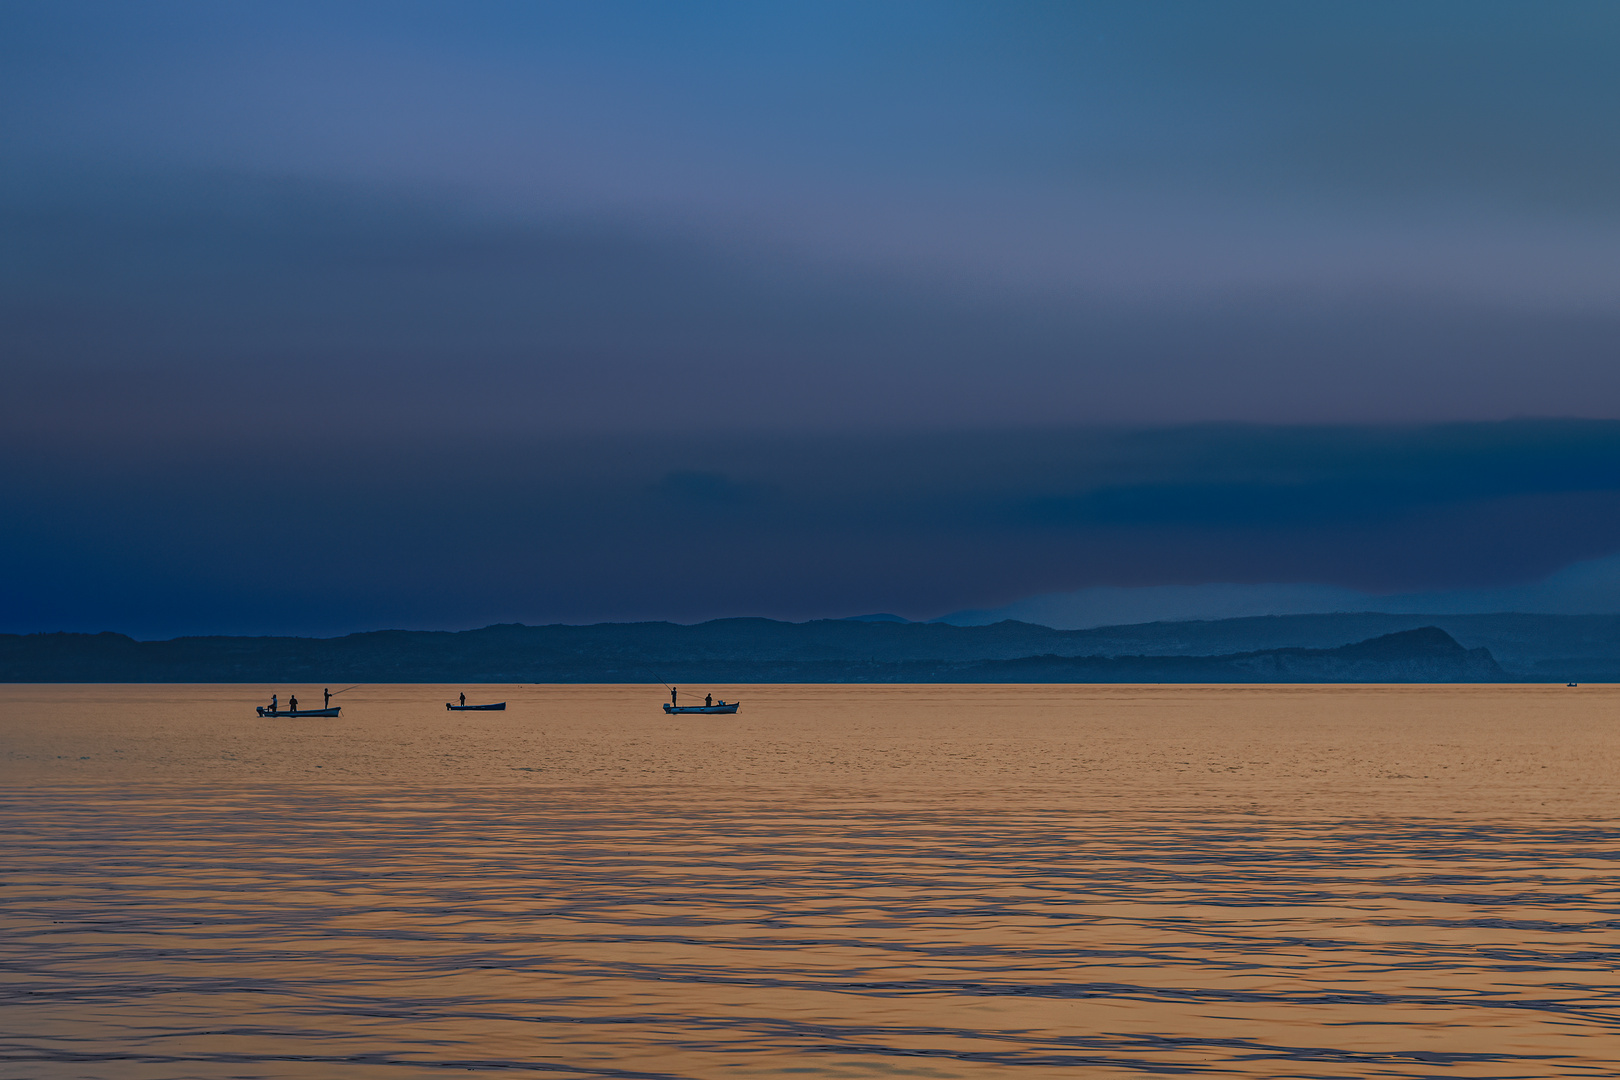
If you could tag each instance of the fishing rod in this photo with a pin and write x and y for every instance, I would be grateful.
(346, 689)
(666, 685)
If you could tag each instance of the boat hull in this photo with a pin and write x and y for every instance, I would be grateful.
(711, 710)
(333, 711)
(499, 706)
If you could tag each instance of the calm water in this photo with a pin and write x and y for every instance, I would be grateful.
(838, 881)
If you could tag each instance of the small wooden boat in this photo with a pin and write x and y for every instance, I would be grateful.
(333, 711)
(719, 707)
(499, 706)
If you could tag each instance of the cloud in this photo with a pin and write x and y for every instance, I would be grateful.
(128, 296)
(449, 528)
(425, 315)
(1128, 151)
(1589, 587)
(706, 490)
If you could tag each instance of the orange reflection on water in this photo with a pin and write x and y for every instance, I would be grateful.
(844, 881)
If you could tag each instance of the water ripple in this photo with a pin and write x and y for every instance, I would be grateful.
(221, 932)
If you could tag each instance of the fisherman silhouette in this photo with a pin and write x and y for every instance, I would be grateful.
(464, 699)
(674, 696)
(327, 704)
(708, 699)
(273, 703)
(292, 703)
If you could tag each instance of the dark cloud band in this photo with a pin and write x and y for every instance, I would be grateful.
(441, 529)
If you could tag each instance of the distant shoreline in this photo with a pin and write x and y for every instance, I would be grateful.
(1369, 648)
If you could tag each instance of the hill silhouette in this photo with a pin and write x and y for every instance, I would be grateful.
(731, 651)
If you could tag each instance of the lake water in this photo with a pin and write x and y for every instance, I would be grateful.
(839, 881)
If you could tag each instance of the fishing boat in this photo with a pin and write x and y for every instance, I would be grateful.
(716, 708)
(333, 711)
(499, 706)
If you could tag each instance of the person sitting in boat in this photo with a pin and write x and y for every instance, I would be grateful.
(273, 705)
(292, 703)
(708, 700)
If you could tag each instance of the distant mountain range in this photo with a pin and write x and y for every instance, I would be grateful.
(1358, 647)
(1582, 588)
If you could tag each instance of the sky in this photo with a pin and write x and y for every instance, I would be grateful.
(318, 318)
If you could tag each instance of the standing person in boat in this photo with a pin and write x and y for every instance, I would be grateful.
(292, 703)
(327, 704)
(674, 696)
(464, 699)
(708, 699)
(273, 705)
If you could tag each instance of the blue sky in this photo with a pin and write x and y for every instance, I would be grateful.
(622, 253)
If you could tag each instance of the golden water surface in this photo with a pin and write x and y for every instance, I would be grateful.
(839, 881)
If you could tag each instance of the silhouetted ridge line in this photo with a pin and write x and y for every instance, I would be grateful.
(763, 650)
(1427, 654)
